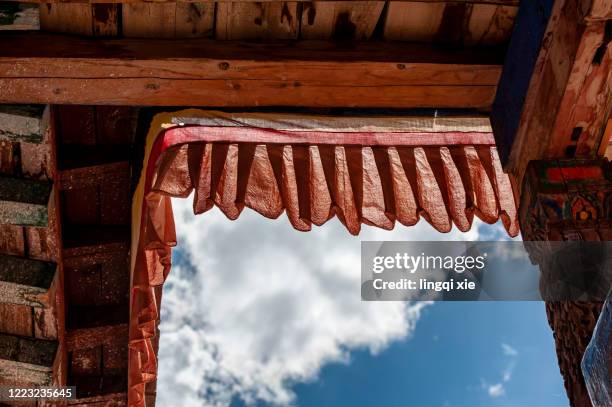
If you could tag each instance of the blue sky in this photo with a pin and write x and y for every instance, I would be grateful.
(257, 314)
(453, 357)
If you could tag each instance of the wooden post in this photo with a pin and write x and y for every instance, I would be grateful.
(567, 200)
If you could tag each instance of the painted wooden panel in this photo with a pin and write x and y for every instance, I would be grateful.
(257, 21)
(341, 20)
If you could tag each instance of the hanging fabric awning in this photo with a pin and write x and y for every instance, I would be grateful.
(374, 171)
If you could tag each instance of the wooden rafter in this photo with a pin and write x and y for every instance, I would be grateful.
(554, 97)
(69, 70)
(500, 2)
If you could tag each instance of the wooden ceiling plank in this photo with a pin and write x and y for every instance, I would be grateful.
(23, 123)
(341, 20)
(105, 20)
(257, 20)
(212, 73)
(98, 336)
(490, 24)
(26, 361)
(71, 18)
(27, 282)
(149, 20)
(24, 202)
(194, 20)
(413, 21)
(19, 16)
(501, 2)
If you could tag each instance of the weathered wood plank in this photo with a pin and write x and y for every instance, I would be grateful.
(341, 20)
(26, 361)
(12, 239)
(246, 93)
(78, 178)
(27, 282)
(9, 157)
(490, 24)
(105, 20)
(86, 361)
(413, 21)
(212, 73)
(23, 123)
(195, 20)
(15, 319)
(83, 317)
(109, 335)
(113, 399)
(523, 52)
(257, 20)
(555, 85)
(168, 20)
(73, 18)
(19, 16)
(505, 2)
(149, 20)
(24, 202)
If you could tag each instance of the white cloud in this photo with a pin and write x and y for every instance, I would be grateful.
(509, 350)
(497, 390)
(255, 306)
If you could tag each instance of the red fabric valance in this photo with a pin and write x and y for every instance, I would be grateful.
(374, 178)
(359, 184)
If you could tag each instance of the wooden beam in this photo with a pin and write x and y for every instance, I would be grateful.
(554, 97)
(85, 338)
(112, 399)
(77, 178)
(26, 361)
(69, 70)
(23, 123)
(500, 2)
(27, 282)
(24, 202)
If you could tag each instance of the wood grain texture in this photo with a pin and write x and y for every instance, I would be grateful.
(560, 91)
(413, 21)
(257, 20)
(503, 2)
(340, 20)
(15, 319)
(209, 73)
(105, 20)
(149, 20)
(490, 24)
(72, 18)
(168, 20)
(194, 20)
